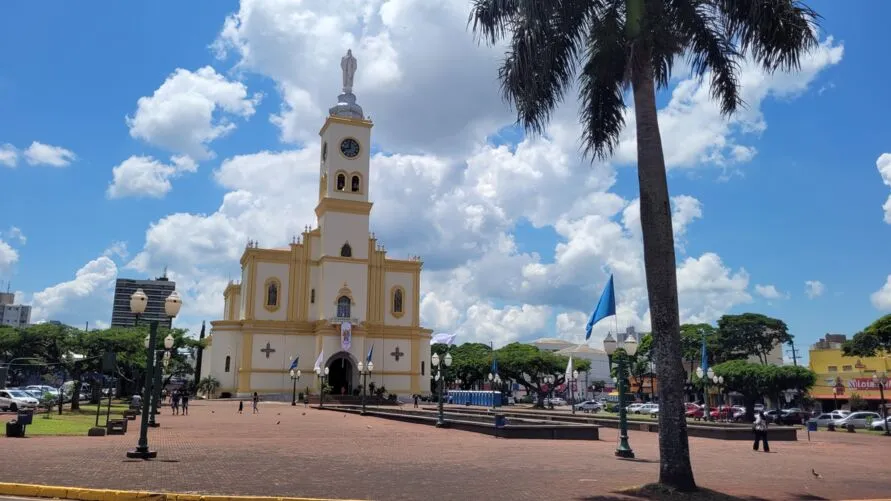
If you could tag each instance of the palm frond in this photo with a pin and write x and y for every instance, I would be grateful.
(490, 19)
(710, 50)
(603, 79)
(664, 39)
(775, 32)
(542, 56)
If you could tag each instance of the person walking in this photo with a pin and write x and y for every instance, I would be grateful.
(241, 406)
(760, 429)
(416, 400)
(185, 403)
(176, 398)
(255, 401)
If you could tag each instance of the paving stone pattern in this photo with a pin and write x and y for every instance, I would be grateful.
(293, 451)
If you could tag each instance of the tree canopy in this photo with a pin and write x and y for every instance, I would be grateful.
(874, 339)
(740, 336)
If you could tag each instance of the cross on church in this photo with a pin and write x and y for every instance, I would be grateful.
(269, 350)
(396, 354)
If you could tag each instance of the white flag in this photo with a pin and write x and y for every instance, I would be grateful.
(569, 369)
(443, 338)
(318, 365)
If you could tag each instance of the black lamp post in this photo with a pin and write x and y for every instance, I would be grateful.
(623, 450)
(719, 382)
(446, 362)
(705, 377)
(295, 376)
(881, 381)
(172, 305)
(161, 356)
(364, 370)
(495, 381)
(323, 378)
(575, 377)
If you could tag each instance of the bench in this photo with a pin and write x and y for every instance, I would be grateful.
(117, 426)
(130, 414)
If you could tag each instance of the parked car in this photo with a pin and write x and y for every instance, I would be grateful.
(879, 425)
(858, 419)
(14, 400)
(828, 417)
(633, 408)
(588, 406)
(554, 401)
(648, 409)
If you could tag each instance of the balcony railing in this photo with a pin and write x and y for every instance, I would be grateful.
(340, 320)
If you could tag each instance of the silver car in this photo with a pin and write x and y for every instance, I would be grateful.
(14, 400)
(858, 419)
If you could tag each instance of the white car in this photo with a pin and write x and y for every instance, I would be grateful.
(15, 400)
(829, 417)
(878, 425)
(589, 406)
(648, 409)
(858, 419)
(634, 408)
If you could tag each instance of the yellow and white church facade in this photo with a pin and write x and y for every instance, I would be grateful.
(333, 292)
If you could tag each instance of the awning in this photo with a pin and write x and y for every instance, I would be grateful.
(845, 396)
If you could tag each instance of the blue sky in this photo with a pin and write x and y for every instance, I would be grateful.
(807, 207)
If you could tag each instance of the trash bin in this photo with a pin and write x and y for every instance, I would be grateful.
(25, 417)
(500, 421)
(14, 429)
(812, 425)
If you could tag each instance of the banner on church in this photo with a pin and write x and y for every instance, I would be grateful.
(346, 336)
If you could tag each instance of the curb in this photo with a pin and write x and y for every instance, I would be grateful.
(83, 494)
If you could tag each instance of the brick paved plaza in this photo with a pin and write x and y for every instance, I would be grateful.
(333, 455)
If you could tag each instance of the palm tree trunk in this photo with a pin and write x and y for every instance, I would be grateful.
(660, 265)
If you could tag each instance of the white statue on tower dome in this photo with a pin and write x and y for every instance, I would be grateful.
(348, 64)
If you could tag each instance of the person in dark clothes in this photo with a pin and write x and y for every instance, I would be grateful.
(241, 406)
(185, 403)
(416, 400)
(256, 401)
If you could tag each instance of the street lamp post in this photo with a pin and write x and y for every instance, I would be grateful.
(172, 305)
(323, 378)
(295, 376)
(575, 376)
(881, 380)
(495, 381)
(719, 382)
(161, 357)
(364, 370)
(705, 376)
(441, 376)
(630, 348)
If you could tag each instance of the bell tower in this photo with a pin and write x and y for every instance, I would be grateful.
(343, 209)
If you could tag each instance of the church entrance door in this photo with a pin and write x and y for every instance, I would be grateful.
(340, 376)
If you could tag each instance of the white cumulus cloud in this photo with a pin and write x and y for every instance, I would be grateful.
(883, 164)
(45, 154)
(881, 298)
(9, 156)
(814, 288)
(144, 176)
(770, 292)
(190, 110)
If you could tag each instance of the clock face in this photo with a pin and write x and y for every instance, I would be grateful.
(349, 147)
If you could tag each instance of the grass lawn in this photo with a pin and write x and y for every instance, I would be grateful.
(76, 423)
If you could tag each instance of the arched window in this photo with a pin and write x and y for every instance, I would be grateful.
(397, 301)
(312, 296)
(356, 182)
(422, 367)
(228, 362)
(346, 250)
(341, 182)
(343, 307)
(273, 290)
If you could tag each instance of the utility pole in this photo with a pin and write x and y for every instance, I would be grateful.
(794, 353)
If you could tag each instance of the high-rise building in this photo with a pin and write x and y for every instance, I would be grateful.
(11, 314)
(157, 291)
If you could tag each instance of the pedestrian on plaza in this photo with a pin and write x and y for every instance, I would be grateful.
(416, 400)
(176, 397)
(306, 400)
(185, 403)
(241, 406)
(255, 401)
(760, 429)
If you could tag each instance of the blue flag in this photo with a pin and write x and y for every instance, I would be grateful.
(494, 366)
(294, 363)
(368, 359)
(704, 357)
(605, 307)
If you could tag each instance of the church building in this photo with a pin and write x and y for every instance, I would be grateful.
(332, 297)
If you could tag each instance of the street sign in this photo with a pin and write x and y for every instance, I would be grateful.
(109, 360)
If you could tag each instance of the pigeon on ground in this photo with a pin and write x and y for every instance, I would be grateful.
(304, 414)
(368, 426)
(278, 422)
(213, 412)
(279, 414)
(815, 474)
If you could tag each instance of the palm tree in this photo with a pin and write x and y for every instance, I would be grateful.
(611, 45)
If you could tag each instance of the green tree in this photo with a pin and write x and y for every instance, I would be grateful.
(209, 386)
(527, 366)
(471, 363)
(755, 380)
(871, 341)
(741, 336)
(614, 44)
